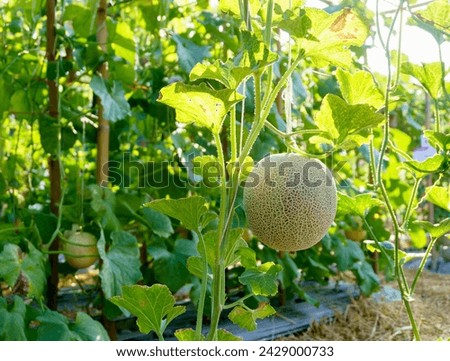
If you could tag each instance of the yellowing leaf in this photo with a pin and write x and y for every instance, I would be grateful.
(325, 37)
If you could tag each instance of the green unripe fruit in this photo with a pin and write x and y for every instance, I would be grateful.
(290, 201)
(81, 250)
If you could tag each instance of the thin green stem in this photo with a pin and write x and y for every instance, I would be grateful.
(217, 284)
(372, 162)
(203, 287)
(239, 302)
(413, 196)
(437, 124)
(266, 106)
(375, 238)
(233, 135)
(422, 264)
(401, 280)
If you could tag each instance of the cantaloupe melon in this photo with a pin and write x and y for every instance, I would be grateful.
(290, 201)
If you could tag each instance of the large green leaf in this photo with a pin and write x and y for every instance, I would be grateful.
(343, 124)
(188, 211)
(357, 205)
(159, 223)
(254, 54)
(429, 75)
(121, 263)
(103, 204)
(435, 230)
(122, 41)
(326, 38)
(189, 53)
(153, 306)
(434, 19)
(439, 196)
(20, 105)
(115, 106)
(227, 73)
(438, 139)
(359, 88)
(53, 135)
(430, 165)
(246, 318)
(170, 266)
(31, 266)
(12, 320)
(199, 104)
(55, 327)
(81, 18)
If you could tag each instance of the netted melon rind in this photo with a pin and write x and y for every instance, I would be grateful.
(290, 202)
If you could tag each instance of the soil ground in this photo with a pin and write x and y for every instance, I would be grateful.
(369, 320)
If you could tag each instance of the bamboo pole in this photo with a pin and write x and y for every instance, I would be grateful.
(103, 124)
(54, 166)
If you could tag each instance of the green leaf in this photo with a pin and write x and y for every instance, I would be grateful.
(159, 223)
(325, 38)
(81, 19)
(347, 254)
(103, 203)
(224, 335)
(262, 279)
(435, 230)
(439, 196)
(188, 211)
(434, 19)
(115, 106)
(20, 105)
(246, 318)
(227, 73)
(12, 320)
(55, 327)
(188, 334)
(52, 135)
(153, 306)
(421, 169)
(121, 38)
(170, 266)
(14, 263)
(195, 266)
(6, 91)
(418, 236)
(345, 124)
(438, 140)
(254, 54)
(121, 264)
(88, 329)
(199, 104)
(359, 88)
(429, 75)
(357, 205)
(367, 279)
(189, 53)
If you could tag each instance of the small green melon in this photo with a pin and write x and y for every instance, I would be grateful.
(290, 201)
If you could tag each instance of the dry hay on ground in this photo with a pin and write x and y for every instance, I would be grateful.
(364, 319)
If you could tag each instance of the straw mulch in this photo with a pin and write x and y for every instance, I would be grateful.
(367, 320)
